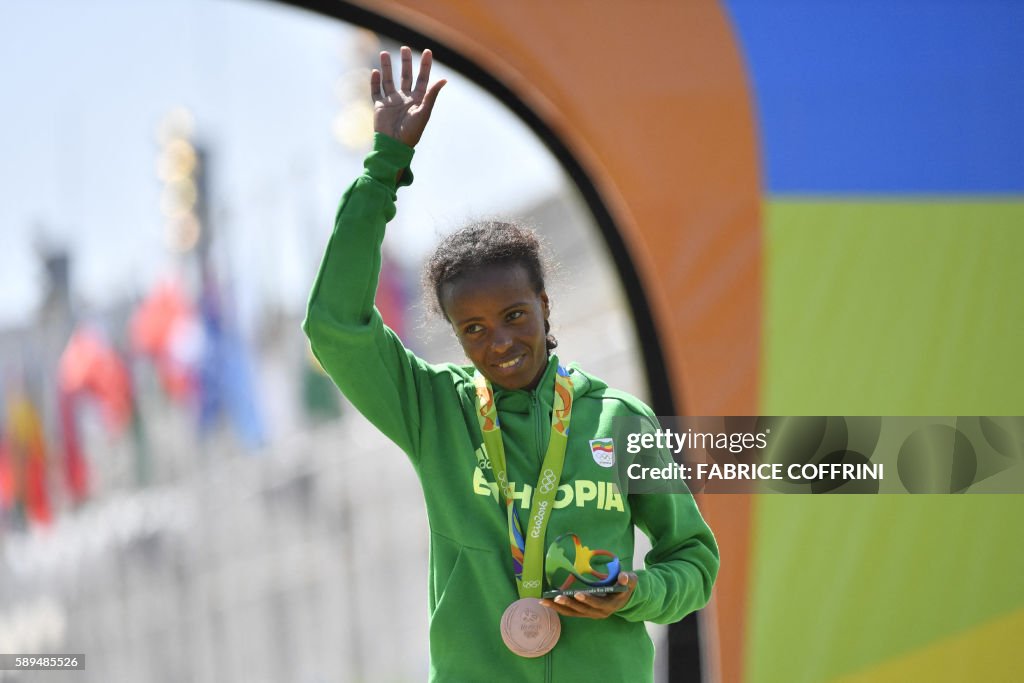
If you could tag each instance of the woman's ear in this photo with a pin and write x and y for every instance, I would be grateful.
(545, 304)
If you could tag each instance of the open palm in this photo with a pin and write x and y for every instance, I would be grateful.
(403, 112)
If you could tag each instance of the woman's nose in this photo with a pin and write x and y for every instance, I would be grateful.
(501, 341)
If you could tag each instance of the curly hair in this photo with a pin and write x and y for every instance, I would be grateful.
(482, 244)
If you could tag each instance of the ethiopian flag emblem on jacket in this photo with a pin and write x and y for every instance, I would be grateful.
(603, 451)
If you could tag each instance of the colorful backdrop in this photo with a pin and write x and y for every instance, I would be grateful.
(893, 172)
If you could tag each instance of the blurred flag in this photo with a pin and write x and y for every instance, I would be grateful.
(319, 395)
(90, 368)
(165, 328)
(76, 469)
(28, 448)
(225, 380)
(89, 365)
(392, 299)
(7, 490)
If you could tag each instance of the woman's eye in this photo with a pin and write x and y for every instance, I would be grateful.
(515, 314)
(472, 329)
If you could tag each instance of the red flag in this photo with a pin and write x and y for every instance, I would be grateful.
(89, 365)
(7, 482)
(76, 468)
(165, 328)
(391, 297)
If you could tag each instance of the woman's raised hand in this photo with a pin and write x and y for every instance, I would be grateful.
(403, 112)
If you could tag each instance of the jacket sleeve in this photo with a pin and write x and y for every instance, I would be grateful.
(682, 565)
(366, 360)
(683, 562)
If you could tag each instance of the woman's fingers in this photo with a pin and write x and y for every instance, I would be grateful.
(564, 606)
(403, 113)
(375, 93)
(594, 606)
(382, 84)
(406, 69)
(583, 605)
(428, 99)
(424, 77)
(387, 82)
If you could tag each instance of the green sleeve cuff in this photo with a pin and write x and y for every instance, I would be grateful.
(636, 601)
(387, 159)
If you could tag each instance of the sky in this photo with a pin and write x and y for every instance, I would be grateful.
(85, 86)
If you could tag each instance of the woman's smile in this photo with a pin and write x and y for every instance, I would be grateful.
(508, 365)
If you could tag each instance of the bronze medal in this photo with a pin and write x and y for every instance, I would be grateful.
(529, 629)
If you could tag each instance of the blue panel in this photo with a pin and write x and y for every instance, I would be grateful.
(911, 96)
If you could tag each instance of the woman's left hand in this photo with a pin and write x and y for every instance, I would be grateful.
(597, 606)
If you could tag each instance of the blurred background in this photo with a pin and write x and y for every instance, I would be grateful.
(802, 208)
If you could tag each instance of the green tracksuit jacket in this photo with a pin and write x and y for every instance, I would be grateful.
(429, 411)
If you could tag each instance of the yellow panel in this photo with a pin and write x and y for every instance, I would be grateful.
(990, 652)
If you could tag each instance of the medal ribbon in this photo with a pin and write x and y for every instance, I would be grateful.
(527, 548)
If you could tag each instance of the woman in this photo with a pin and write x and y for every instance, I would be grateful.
(490, 442)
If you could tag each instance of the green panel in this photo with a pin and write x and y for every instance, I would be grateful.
(885, 308)
(893, 308)
(842, 582)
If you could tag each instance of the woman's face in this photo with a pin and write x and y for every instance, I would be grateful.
(499, 320)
